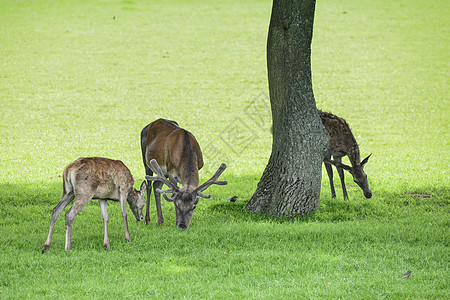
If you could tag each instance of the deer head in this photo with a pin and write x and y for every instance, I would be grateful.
(185, 202)
(136, 200)
(357, 171)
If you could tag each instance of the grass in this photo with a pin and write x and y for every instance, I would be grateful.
(82, 78)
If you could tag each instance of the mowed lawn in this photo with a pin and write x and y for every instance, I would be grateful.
(82, 78)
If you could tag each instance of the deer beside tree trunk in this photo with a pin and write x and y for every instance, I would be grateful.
(290, 183)
(97, 178)
(343, 143)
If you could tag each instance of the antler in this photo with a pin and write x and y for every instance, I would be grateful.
(211, 181)
(173, 188)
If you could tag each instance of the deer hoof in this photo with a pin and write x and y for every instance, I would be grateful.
(46, 247)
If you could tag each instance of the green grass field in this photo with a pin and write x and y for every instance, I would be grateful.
(82, 78)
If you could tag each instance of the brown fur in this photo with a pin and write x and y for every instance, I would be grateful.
(340, 137)
(181, 155)
(343, 143)
(97, 178)
(178, 154)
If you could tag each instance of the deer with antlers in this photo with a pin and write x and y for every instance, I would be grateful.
(175, 156)
(97, 178)
(341, 143)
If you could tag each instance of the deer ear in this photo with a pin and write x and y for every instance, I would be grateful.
(365, 160)
(143, 186)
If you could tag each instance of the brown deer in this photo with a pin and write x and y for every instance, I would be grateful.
(342, 143)
(97, 178)
(172, 152)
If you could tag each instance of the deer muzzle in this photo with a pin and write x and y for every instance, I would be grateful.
(368, 194)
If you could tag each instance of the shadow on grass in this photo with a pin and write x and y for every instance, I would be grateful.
(384, 204)
(36, 193)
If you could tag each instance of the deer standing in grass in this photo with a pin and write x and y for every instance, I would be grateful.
(99, 178)
(341, 143)
(172, 152)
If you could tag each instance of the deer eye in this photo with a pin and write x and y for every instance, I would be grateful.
(193, 207)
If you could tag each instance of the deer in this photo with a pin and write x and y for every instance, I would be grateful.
(343, 143)
(99, 178)
(174, 155)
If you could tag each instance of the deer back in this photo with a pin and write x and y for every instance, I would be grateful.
(340, 137)
(176, 150)
(101, 176)
(170, 151)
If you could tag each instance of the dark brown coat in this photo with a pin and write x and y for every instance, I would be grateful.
(343, 143)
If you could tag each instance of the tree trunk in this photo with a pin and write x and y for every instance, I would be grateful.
(290, 184)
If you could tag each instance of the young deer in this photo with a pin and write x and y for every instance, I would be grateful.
(341, 143)
(97, 178)
(173, 152)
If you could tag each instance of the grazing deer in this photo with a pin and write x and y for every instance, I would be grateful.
(99, 178)
(170, 151)
(342, 142)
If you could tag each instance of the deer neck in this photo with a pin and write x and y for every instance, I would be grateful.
(189, 172)
(353, 155)
(189, 179)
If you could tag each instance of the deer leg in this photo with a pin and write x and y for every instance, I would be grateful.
(149, 172)
(329, 169)
(158, 185)
(123, 208)
(65, 200)
(341, 176)
(105, 217)
(79, 204)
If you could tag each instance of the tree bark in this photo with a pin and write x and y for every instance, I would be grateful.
(290, 184)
